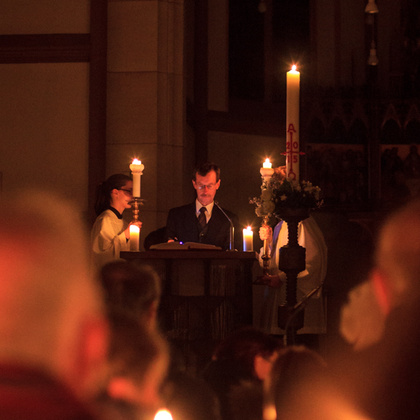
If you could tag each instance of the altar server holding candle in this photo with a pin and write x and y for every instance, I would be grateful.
(110, 232)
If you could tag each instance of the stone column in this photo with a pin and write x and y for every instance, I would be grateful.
(145, 100)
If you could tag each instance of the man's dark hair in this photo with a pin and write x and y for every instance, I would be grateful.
(204, 168)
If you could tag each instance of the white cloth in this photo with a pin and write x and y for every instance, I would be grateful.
(311, 238)
(108, 238)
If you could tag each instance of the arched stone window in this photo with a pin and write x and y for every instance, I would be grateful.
(358, 132)
(315, 132)
(391, 133)
(412, 132)
(336, 133)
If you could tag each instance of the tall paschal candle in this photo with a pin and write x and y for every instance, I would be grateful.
(292, 124)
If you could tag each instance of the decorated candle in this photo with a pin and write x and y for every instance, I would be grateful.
(292, 124)
(136, 168)
(248, 239)
(266, 171)
(134, 238)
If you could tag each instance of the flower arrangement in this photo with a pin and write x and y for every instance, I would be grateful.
(279, 193)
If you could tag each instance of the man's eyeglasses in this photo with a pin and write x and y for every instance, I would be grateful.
(209, 187)
(127, 191)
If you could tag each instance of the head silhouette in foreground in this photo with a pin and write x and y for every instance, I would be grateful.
(53, 332)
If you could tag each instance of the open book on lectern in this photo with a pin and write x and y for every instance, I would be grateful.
(186, 245)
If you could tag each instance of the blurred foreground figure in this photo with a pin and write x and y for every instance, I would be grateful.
(302, 386)
(239, 365)
(294, 368)
(380, 378)
(132, 288)
(53, 333)
(189, 397)
(137, 365)
(383, 376)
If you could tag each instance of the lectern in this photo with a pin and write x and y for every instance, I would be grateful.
(206, 294)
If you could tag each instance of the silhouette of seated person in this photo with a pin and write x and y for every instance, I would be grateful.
(238, 367)
(132, 288)
(289, 385)
(138, 359)
(386, 337)
(189, 397)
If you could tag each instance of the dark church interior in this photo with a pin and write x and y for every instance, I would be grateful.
(87, 86)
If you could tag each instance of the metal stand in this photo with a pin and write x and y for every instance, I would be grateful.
(135, 239)
(135, 208)
(292, 262)
(266, 251)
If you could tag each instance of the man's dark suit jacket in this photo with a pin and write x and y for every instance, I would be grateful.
(182, 225)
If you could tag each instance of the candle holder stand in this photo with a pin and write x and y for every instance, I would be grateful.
(135, 204)
(266, 256)
(292, 261)
(137, 201)
(266, 174)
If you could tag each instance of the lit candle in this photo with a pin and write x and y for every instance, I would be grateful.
(266, 171)
(136, 168)
(248, 239)
(292, 124)
(134, 238)
(267, 163)
(163, 415)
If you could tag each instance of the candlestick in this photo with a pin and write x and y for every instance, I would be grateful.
(248, 237)
(292, 124)
(136, 168)
(266, 173)
(134, 237)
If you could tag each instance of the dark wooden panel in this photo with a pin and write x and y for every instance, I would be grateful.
(45, 48)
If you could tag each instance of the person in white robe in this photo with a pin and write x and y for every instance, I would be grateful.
(110, 233)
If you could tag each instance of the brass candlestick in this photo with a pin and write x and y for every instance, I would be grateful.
(135, 208)
(266, 173)
(134, 233)
(266, 256)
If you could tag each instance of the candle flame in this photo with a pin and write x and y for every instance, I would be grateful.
(134, 228)
(294, 67)
(267, 163)
(136, 161)
(163, 415)
(248, 228)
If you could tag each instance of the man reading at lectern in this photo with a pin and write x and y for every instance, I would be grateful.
(203, 220)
